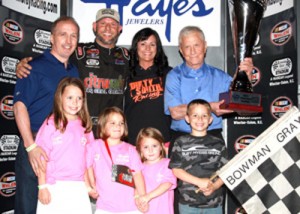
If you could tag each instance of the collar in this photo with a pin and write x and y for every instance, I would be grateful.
(190, 72)
(53, 59)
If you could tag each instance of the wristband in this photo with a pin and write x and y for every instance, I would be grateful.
(42, 186)
(88, 189)
(136, 196)
(31, 147)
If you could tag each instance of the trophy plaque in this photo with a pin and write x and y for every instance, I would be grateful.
(245, 17)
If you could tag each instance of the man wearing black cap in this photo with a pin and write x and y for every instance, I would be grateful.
(102, 66)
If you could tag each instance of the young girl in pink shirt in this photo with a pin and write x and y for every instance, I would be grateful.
(119, 190)
(64, 136)
(159, 179)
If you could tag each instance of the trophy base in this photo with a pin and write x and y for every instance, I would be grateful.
(241, 102)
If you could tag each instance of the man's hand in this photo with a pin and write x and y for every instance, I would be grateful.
(178, 112)
(247, 66)
(37, 158)
(215, 106)
(23, 68)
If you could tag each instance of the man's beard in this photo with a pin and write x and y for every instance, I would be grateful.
(112, 41)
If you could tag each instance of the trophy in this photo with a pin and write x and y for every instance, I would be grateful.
(245, 17)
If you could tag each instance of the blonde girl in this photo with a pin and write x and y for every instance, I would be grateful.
(64, 136)
(118, 190)
(159, 179)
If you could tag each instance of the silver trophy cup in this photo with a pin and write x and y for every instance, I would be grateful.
(245, 17)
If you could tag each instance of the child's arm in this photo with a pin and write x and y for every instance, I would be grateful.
(140, 190)
(216, 185)
(161, 189)
(203, 183)
(90, 183)
(44, 194)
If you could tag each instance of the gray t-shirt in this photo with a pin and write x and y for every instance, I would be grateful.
(201, 157)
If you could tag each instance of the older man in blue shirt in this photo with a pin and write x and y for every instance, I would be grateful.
(195, 79)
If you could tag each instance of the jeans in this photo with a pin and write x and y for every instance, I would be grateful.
(26, 196)
(186, 209)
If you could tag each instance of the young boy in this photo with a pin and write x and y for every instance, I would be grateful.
(195, 157)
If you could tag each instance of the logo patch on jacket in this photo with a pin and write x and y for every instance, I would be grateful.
(119, 60)
(92, 53)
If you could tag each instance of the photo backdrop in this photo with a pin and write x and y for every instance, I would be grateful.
(275, 77)
(26, 32)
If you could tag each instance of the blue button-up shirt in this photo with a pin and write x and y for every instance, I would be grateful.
(184, 84)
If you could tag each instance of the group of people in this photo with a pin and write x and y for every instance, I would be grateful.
(103, 136)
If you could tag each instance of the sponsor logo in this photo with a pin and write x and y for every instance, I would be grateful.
(280, 105)
(167, 17)
(8, 184)
(281, 33)
(9, 143)
(42, 37)
(282, 74)
(44, 10)
(242, 142)
(281, 67)
(9, 65)
(92, 62)
(277, 6)
(119, 62)
(95, 85)
(12, 31)
(92, 53)
(6, 107)
(148, 89)
(256, 76)
(42, 41)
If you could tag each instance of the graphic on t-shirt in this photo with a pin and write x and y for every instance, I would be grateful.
(199, 149)
(151, 88)
(95, 85)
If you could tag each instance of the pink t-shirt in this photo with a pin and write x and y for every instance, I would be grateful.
(113, 196)
(66, 151)
(154, 175)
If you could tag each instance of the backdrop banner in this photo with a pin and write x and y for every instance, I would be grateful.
(274, 76)
(25, 32)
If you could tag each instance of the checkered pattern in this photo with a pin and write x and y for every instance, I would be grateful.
(274, 187)
(265, 176)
